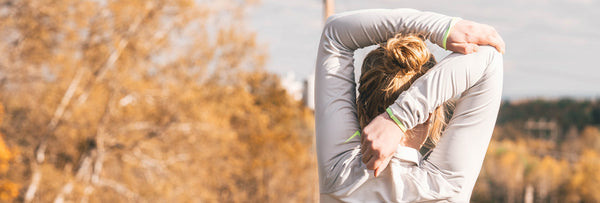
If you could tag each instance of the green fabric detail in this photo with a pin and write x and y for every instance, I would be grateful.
(357, 133)
(389, 111)
(448, 33)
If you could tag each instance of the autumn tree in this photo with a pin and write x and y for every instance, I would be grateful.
(8, 189)
(524, 168)
(546, 177)
(148, 100)
(504, 170)
(585, 181)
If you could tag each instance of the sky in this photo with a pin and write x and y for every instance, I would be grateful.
(552, 45)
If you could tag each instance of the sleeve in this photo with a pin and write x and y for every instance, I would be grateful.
(450, 172)
(427, 93)
(335, 88)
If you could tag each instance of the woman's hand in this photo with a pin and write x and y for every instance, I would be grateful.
(379, 142)
(381, 139)
(466, 36)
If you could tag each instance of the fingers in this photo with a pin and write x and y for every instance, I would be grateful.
(463, 48)
(375, 161)
(471, 48)
(362, 140)
(466, 35)
(497, 42)
(370, 163)
(382, 167)
(364, 143)
(367, 154)
(491, 37)
(379, 142)
(372, 158)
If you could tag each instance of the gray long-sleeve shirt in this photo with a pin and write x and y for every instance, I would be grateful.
(450, 173)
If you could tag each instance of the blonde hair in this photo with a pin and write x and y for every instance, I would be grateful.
(388, 71)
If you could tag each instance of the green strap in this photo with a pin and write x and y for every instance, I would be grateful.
(389, 111)
(357, 133)
(452, 22)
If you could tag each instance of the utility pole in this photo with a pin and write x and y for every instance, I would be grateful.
(329, 8)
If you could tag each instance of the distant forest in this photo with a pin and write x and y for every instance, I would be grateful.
(567, 112)
(543, 151)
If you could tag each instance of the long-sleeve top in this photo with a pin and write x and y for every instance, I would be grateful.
(445, 176)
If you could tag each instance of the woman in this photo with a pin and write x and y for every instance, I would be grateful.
(400, 174)
(389, 70)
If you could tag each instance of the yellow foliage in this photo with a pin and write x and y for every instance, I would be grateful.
(585, 181)
(553, 172)
(5, 155)
(8, 189)
(144, 101)
(591, 138)
(548, 175)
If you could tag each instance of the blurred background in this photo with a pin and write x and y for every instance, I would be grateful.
(211, 101)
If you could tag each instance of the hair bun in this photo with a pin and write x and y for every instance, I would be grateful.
(405, 54)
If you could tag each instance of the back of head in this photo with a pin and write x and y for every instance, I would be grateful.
(388, 71)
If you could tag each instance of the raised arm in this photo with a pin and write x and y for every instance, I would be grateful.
(335, 89)
(358, 29)
(450, 172)
(463, 37)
